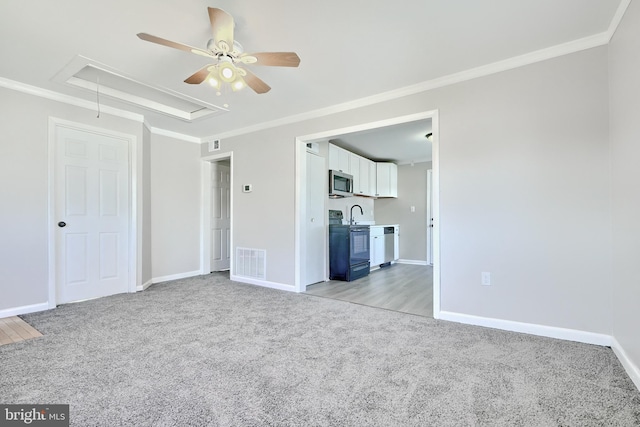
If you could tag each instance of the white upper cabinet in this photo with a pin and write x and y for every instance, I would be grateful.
(369, 178)
(354, 167)
(386, 180)
(339, 159)
(364, 181)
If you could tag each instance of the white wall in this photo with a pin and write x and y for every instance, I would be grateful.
(24, 190)
(625, 166)
(175, 206)
(523, 193)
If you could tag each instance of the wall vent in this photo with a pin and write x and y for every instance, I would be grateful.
(251, 263)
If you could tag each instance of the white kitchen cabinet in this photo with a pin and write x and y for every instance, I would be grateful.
(372, 178)
(386, 180)
(376, 246)
(354, 170)
(339, 159)
(361, 170)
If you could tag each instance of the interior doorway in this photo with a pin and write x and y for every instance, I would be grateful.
(217, 213)
(301, 197)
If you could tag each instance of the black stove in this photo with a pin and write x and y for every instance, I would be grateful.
(348, 249)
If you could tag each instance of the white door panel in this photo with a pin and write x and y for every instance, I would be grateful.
(220, 216)
(92, 199)
(313, 268)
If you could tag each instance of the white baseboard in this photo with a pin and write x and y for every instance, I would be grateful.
(632, 370)
(25, 309)
(411, 261)
(529, 328)
(144, 286)
(175, 276)
(263, 283)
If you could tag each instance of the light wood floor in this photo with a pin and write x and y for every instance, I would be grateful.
(14, 329)
(400, 287)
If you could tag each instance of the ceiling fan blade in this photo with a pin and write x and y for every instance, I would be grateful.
(255, 83)
(276, 59)
(175, 45)
(222, 28)
(199, 76)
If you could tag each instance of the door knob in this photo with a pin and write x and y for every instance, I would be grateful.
(62, 224)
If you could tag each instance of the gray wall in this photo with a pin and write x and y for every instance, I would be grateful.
(263, 219)
(412, 191)
(625, 160)
(521, 190)
(175, 203)
(24, 190)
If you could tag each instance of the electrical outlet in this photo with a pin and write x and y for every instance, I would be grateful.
(485, 278)
(413, 209)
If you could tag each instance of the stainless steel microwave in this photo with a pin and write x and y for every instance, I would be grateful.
(340, 184)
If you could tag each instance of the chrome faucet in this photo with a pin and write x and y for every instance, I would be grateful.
(351, 213)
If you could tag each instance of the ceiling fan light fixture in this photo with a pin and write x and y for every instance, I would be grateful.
(213, 81)
(238, 84)
(227, 72)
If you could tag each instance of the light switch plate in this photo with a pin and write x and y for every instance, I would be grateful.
(485, 278)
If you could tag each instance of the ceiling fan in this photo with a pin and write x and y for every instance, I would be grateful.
(229, 55)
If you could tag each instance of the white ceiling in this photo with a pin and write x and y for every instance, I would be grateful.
(401, 143)
(349, 50)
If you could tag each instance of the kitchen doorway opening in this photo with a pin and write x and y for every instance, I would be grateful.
(303, 143)
(217, 214)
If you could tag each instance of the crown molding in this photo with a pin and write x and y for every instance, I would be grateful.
(617, 18)
(174, 135)
(585, 43)
(67, 99)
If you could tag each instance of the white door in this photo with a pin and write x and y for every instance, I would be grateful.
(313, 269)
(220, 216)
(92, 215)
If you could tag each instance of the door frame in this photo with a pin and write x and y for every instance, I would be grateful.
(205, 212)
(300, 194)
(135, 253)
(429, 216)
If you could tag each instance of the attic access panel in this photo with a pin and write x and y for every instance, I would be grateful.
(91, 76)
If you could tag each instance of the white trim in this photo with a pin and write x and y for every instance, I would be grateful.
(263, 283)
(66, 99)
(135, 251)
(411, 261)
(144, 286)
(300, 147)
(175, 135)
(632, 369)
(435, 210)
(578, 45)
(90, 105)
(617, 18)
(529, 328)
(25, 309)
(177, 276)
